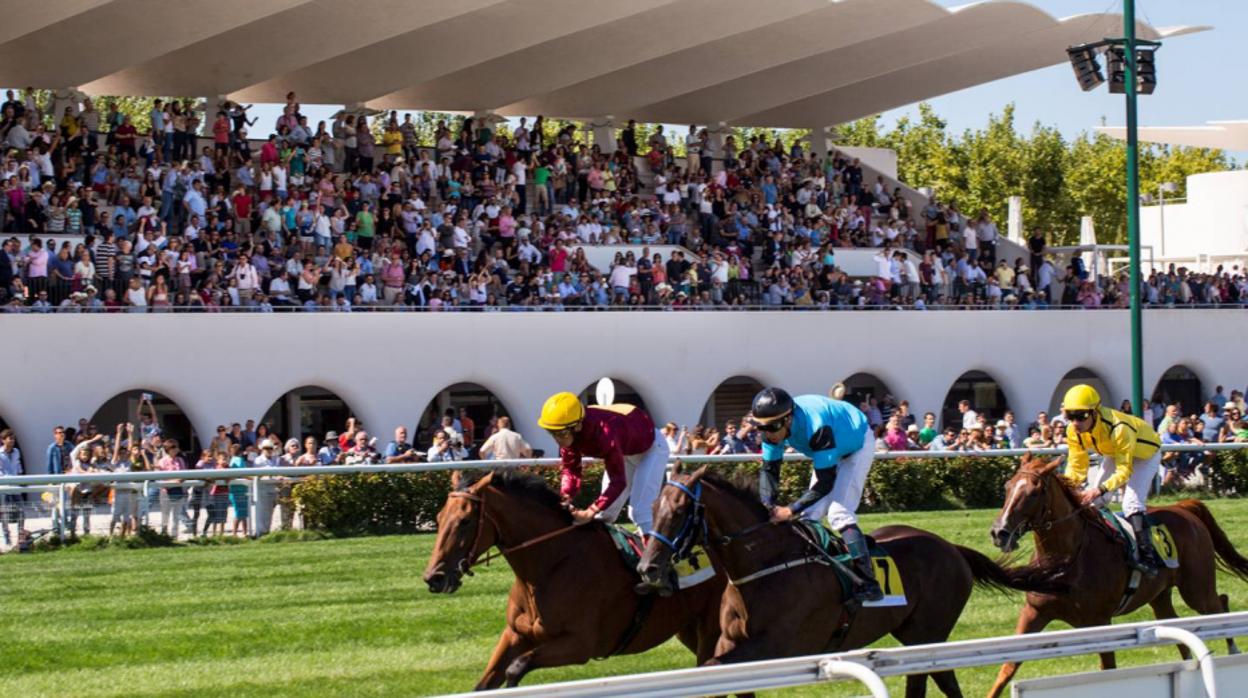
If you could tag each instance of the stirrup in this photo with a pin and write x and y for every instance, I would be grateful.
(1143, 565)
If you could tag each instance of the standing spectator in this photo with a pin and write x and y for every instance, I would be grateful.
(928, 432)
(173, 499)
(1213, 424)
(126, 495)
(218, 499)
(1012, 433)
(266, 488)
(970, 418)
(239, 493)
(328, 453)
(58, 452)
(10, 466)
(399, 450)
(468, 428)
(505, 444)
(361, 451)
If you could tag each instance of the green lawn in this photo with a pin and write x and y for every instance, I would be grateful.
(343, 617)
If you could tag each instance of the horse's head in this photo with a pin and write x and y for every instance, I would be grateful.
(1025, 495)
(677, 525)
(464, 532)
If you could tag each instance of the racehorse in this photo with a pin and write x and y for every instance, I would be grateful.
(785, 598)
(1077, 539)
(572, 599)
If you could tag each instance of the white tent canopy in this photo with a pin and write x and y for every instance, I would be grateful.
(783, 63)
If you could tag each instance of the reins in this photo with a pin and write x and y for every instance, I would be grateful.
(473, 553)
(683, 541)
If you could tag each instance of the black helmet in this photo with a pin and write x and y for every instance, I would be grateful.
(770, 405)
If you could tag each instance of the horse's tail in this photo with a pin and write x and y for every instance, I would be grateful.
(1043, 578)
(1228, 557)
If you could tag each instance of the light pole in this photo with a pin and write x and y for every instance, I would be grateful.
(1132, 71)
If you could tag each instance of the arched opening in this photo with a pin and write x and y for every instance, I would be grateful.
(731, 400)
(1079, 376)
(1180, 384)
(624, 393)
(472, 408)
(982, 392)
(156, 409)
(307, 411)
(863, 389)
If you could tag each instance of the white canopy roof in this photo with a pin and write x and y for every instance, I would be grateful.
(1227, 135)
(785, 63)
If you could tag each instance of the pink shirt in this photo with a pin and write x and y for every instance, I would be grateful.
(37, 263)
(171, 463)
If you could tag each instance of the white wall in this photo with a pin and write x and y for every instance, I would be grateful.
(387, 367)
(1214, 220)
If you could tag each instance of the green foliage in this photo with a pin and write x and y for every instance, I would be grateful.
(372, 503)
(1059, 181)
(901, 485)
(1228, 473)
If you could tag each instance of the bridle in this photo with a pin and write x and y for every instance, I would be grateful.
(695, 522)
(471, 559)
(1046, 513)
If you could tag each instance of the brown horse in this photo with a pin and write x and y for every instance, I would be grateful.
(1076, 538)
(784, 601)
(572, 599)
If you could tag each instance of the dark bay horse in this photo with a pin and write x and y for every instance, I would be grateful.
(1075, 538)
(783, 603)
(572, 599)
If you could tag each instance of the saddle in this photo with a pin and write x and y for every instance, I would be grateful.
(693, 568)
(628, 544)
(831, 544)
(1121, 529)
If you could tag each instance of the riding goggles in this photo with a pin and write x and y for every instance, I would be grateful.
(1078, 415)
(769, 427)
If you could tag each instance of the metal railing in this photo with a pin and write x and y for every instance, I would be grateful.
(871, 666)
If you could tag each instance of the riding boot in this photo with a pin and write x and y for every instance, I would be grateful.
(865, 586)
(1146, 560)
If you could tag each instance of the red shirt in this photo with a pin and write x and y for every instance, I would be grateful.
(610, 433)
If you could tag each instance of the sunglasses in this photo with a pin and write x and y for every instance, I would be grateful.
(559, 433)
(1078, 415)
(769, 427)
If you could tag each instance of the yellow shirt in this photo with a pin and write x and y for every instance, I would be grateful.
(1123, 437)
(393, 141)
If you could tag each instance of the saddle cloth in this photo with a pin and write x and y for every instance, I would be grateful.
(692, 569)
(1163, 541)
(886, 572)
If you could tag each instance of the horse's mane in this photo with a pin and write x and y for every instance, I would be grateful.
(741, 486)
(530, 486)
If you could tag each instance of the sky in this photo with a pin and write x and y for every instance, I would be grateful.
(1199, 76)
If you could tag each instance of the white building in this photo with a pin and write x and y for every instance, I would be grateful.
(389, 367)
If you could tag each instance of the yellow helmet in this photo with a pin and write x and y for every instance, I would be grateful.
(1081, 397)
(562, 410)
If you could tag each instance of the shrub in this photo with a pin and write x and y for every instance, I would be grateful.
(978, 482)
(1228, 472)
(905, 484)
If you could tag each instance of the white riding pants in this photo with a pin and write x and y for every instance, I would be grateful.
(841, 504)
(645, 473)
(1135, 494)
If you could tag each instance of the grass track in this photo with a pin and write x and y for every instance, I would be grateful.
(350, 618)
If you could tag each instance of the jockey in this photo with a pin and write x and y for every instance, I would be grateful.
(836, 436)
(1132, 456)
(624, 437)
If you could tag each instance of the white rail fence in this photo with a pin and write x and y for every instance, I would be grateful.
(870, 667)
(151, 489)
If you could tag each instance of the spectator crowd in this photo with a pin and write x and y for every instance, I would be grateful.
(358, 214)
(205, 507)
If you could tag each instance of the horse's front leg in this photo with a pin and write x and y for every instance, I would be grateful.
(561, 651)
(1030, 620)
(510, 645)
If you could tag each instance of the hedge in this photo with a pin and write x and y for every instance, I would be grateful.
(387, 503)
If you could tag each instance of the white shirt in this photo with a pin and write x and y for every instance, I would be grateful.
(970, 420)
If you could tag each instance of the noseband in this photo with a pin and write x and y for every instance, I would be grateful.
(470, 561)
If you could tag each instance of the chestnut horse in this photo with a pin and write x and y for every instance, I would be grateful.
(785, 601)
(572, 599)
(1077, 539)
